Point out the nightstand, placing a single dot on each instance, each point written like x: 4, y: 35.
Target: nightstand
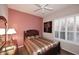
x: 11, y: 48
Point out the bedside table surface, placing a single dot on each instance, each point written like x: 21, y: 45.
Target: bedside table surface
x: 10, y: 50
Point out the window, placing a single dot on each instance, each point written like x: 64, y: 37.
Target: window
x: 56, y: 25
x: 77, y: 28
x: 62, y: 28
x: 77, y: 37
x: 70, y: 28
x: 77, y: 23
x: 56, y: 34
x: 70, y: 36
x: 70, y: 23
x: 67, y: 28
x: 56, y: 28
x: 62, y: 24
x: 62, y: 35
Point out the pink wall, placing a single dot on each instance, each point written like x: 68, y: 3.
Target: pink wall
x: 23, y: 21
x: 2, y: 25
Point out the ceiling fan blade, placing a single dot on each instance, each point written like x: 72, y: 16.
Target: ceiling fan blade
x: 37, y: 10
x: 45, y: 5
x: 48, y: 8
x: 38, y: 5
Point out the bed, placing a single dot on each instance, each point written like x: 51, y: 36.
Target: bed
x: 35, y: 45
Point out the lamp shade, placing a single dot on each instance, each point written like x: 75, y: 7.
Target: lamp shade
x: 11, y: 31
x: 2, y: 31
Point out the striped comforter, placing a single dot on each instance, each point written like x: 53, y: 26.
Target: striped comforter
x: 37, y: 46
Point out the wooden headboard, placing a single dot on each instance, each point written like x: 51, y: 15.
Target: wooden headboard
x: 30, y: 33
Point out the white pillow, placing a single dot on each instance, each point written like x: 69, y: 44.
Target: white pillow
x: 32, y: 37
x: 28, y: 37
x: 37, y: 36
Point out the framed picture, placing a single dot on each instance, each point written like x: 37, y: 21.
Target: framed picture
x: 48, y: 27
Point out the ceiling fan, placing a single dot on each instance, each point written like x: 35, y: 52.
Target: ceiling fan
x: 43, y: 8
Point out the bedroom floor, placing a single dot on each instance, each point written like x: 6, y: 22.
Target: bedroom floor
x: 22, y: 51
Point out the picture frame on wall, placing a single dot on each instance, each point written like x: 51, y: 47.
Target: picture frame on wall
x: 48, y: 27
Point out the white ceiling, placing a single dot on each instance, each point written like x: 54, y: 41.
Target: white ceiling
x: 30, y: 8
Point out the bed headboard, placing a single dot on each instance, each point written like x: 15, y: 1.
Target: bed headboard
x: 30, y: 33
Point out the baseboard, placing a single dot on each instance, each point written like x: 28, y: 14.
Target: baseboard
x: 69, y: 51
x: 20, y: 46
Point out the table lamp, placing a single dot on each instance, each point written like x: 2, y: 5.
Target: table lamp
x: 11, y: 31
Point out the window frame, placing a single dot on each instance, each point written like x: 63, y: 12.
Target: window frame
x: 66, y: 30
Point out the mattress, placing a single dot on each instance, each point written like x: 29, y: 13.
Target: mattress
x: 38, y: 45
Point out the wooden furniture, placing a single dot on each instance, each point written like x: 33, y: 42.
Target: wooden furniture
x: 11, y: 48
x: 2, y: 18
x: 30, y: 43
x: 54, y: 50
x: 1, y: 45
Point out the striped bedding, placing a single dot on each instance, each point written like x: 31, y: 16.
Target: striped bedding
x: 37, y: 46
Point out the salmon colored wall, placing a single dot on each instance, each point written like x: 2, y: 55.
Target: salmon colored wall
x: 23, y: 21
